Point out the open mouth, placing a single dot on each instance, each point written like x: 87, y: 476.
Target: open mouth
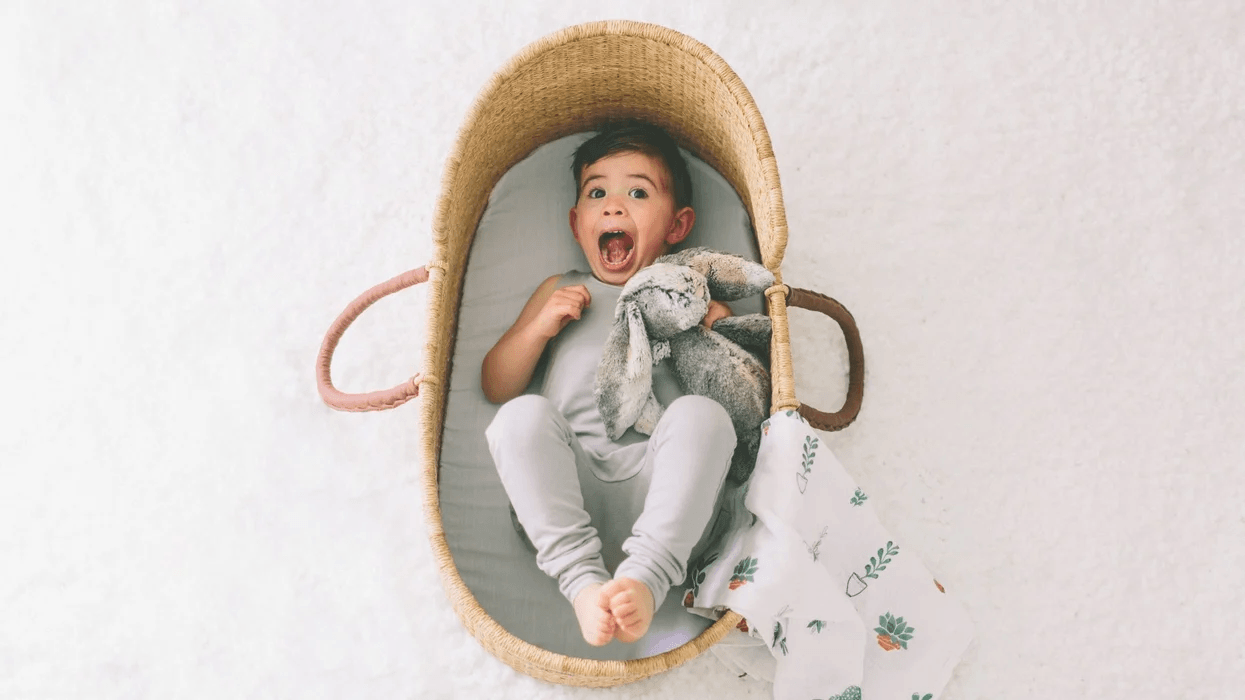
x: 617, y: 248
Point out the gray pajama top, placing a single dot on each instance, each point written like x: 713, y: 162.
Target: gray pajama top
x: 570, y: 370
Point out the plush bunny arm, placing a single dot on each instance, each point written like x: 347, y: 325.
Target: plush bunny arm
x: 750, y: 331
x: 625, y: 374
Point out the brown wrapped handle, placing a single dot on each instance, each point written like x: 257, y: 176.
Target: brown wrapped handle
x: 375, y: 400
x: 840, y: 419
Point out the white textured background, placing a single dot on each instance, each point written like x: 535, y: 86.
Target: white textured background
x: 1035, y: 215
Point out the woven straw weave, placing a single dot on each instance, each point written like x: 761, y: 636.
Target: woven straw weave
x: 566, y: 83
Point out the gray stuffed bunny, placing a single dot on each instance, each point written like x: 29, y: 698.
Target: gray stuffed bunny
x: 658, y: 316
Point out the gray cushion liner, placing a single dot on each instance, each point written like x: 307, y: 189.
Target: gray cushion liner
x: 524, y: 237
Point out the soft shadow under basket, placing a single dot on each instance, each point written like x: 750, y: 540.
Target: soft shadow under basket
x: 567, y: 83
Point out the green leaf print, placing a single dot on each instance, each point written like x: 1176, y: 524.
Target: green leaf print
x: 927, y: 696
x: 814, y: 548
x: 817, y: 625
x: 810, y: 451
x: 699, y: 568
x: 860, y: 498
x: 797, y: 416
x: 851, y: 692
x: 780, y: 639
x: 879, y: 562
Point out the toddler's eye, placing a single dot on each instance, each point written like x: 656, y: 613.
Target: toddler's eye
x: 638, y: 193
x: 596, y: 193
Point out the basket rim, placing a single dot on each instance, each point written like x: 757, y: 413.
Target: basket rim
x: 529, y: 54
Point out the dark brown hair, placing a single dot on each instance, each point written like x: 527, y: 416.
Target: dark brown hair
x: 633, y: 135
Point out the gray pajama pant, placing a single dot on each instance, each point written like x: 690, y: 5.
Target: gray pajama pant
x: 578, y: 523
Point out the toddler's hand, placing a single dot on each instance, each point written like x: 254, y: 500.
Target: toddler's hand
x: 565, y: 305
x: 717, y: 310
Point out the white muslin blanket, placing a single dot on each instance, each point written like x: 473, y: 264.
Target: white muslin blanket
x: 833, y: 606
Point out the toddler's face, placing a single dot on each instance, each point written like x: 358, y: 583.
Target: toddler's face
x: 624, y: 218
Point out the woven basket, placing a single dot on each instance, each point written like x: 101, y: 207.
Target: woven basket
x: 567, y: 83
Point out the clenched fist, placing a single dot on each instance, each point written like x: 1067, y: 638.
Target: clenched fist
x: 563, y: 306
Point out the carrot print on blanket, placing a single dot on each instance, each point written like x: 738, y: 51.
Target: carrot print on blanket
x: 744, y: 572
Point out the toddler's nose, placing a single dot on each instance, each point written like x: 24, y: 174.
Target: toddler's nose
x: 614, y: 205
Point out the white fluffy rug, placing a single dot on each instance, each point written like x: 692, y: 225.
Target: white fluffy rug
x: 1034, y: 215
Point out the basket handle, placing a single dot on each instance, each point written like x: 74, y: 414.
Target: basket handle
x: 375, y: 400
x: 840, y: 419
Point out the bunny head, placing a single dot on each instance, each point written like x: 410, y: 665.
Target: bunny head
x: 660, y: 302
x: 729, y: 276
x: 671, y: 298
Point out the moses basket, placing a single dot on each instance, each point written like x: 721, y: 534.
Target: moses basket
x: 568, y: 83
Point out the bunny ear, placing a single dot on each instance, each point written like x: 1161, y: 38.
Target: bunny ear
x: 730, y: 276
x: 625, y: 374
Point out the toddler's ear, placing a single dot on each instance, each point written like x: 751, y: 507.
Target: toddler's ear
x: 681, y: 227
x: 574, y: 216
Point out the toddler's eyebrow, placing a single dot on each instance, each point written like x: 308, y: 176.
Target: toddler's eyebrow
x: 641, y: 176
x: 644, y: 177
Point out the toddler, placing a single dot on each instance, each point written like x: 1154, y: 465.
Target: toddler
x: 577, y: 493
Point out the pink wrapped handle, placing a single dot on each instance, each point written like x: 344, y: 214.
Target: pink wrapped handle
x: 374, y: 400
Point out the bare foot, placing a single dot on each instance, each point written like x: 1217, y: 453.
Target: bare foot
x: 632, y: 605
x: 595, y: 621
